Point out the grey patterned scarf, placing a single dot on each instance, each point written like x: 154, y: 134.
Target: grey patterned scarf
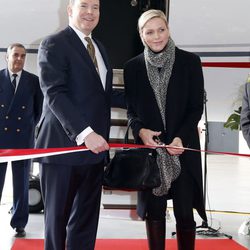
x: 159, y: 69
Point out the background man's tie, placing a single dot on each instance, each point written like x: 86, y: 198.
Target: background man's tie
x: 91, y: 50
x: 14, y: 82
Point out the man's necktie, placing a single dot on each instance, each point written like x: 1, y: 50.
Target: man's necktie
x: 91, y: 50
x: 14, y: 82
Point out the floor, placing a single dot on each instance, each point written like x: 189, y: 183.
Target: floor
x: 227, y: 203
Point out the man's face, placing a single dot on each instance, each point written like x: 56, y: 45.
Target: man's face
x: 16, y: 59
x: 84, y: 15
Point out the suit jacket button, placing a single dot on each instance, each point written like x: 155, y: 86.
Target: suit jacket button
x: 19, y: 118
x: 18, y: 130
x: 23, y: 107
x: 6, y: 117
x: 5, y: 129
x: 2, y: 105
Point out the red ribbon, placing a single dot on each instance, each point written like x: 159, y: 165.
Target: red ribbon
x: 40, y: 152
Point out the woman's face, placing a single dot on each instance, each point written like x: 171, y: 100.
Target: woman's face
x: 155, y: 34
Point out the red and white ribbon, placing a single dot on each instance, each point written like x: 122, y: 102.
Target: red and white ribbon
x: 7, y: 155
x: 24, y: 154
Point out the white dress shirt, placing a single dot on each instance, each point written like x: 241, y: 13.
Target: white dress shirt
x: 102, y: 73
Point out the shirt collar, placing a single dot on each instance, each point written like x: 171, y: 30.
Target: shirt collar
x: 18, y: 73
x: 80, y: 34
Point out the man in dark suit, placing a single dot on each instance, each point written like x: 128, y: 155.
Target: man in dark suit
x: 20, y: 109
x: 77, y: 87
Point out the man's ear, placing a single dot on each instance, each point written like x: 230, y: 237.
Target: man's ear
x: 69, y: 10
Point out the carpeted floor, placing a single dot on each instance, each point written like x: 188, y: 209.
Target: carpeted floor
x: 132, y: 244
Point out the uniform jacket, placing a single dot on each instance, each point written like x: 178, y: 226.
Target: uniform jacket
x: 245, y: 114
x: 74, y: 97
x: 19, y: 113
x: 184, y: 108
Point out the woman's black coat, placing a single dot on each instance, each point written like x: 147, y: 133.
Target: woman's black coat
x: 184, y: 108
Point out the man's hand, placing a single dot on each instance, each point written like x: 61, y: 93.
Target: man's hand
x: 96, y: 143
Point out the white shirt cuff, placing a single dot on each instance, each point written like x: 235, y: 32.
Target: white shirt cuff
x: 81, y: 137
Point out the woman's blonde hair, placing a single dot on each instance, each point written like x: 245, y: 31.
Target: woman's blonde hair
x: 149, y: 14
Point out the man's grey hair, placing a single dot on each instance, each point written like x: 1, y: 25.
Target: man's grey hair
x: 14, y: 45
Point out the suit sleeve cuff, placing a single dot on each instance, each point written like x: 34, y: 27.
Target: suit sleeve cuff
x: 81, y: 137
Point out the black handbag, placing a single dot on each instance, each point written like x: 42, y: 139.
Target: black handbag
x: 132, y: 169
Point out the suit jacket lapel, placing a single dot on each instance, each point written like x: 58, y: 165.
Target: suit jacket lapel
x: 77, y: 44
x: 80, y: 48
x: 7, y: 89
x: 21, y: 89
x: 7, y: 82
x: 19, y: 93
x: 106, y: 62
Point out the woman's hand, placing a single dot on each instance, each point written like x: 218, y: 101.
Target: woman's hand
x: 148, y: 135
x: 177, y: 142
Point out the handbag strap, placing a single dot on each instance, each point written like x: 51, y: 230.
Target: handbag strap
x: 128, y: 127
x: 127, y: 132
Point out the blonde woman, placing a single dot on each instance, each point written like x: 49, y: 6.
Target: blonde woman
x: 164, y: 90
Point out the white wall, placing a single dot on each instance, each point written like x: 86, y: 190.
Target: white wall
x: 204, y: 22
x: 28, y: 22
x: 215, y: 26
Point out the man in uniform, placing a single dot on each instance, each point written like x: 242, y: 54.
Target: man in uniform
x: 20, y: 109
